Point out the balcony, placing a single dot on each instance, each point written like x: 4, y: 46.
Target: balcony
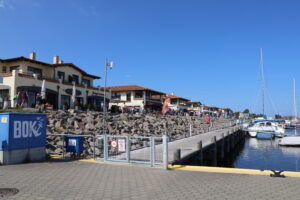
x: 54, y: 80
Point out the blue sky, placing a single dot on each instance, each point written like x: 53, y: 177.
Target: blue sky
x: 205, y: 50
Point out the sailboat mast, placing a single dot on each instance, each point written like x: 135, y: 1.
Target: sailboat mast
x: 262, y: 81
x: 295, y: 105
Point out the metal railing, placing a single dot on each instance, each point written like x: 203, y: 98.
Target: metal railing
x: 114, y: 148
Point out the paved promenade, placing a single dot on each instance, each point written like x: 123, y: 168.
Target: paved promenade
x: 83, y: 180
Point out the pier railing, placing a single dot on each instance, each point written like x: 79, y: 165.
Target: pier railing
x: 113, y: 148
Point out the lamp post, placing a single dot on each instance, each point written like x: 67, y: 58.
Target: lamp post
x: 107, y: 64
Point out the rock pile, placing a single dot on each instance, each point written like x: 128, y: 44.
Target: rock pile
x: 91, y: 123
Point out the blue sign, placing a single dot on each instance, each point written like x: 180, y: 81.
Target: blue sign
x: 74, y: 144
x: 22, y: 130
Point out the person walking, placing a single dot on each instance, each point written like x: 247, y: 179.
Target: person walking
x: 38, y: 101
x: 25, y: 99
x: 20, y: 99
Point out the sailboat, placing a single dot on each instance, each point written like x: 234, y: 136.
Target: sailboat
x: 293, y: 140
x: 264, y: 129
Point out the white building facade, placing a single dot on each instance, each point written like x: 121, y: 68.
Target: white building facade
x: 27, y: 74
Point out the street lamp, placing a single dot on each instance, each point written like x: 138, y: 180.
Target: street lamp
x: 110, y: 65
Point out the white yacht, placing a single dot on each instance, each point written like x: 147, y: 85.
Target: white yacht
x: 266, y: 126
x: 292, y: 140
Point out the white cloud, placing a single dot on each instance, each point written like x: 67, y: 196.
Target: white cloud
x: 2, y: 4
x: 6, y: 4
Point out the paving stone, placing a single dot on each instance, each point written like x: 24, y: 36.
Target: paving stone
x: 80, y: 180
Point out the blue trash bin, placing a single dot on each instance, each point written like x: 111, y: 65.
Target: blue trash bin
x: 74, y: 144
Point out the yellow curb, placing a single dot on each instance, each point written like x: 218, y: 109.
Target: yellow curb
x: 199, y: 168
x: 56, y: 156
x: 230, y: 170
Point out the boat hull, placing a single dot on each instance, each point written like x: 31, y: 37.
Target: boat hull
x: 290, y: 141
x: 265, y: 135
x: 252, y: 133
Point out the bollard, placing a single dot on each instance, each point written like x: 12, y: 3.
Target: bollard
x: 177, y: 155
x: 222, y: 146
x: 214, y: 143
x: 190, y: 130
x: 199, y: 147
x: 232, y: 141
x: 227, y: 142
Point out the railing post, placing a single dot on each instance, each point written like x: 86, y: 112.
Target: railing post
x: 63, y: 146
x: 165, y: 151
x: 153, y: 156
x: 105, y: 147
x: 94, y: 153
x: 128, y: 149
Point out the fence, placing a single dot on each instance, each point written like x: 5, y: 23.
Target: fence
x: 113, y: 148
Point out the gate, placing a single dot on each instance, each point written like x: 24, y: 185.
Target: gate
x: 152, y: 151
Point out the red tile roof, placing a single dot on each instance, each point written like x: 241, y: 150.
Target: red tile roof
x: 47, y: 64
x: 171, y: 96
x: 124, y: 88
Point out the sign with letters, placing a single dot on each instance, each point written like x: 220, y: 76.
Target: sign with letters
x: 121, y: 145
x: 22, y: 130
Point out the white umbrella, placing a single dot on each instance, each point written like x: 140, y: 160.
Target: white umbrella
x: 73, y: 98
x: 43, y: 90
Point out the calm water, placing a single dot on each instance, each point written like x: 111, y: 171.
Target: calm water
x: 267, y: 154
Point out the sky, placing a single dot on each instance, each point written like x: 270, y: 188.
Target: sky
x: 203, y: 50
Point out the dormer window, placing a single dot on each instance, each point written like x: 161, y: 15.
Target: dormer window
x: 86, y: 82
x: 14, y: 68
x: 33, y: 70
x: 74, y: 78
x: 61, y: 75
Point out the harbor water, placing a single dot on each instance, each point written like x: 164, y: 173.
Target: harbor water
x: 268, y: 155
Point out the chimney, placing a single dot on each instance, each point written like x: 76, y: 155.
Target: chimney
x: 172, y: 93
x: 56, y: 60
x: 32, y: 56
x: 61, y: 61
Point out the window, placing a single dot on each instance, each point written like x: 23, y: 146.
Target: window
x: 75, y: 78
x: 14, y: 68
x: 33, y: 70
x: 128, y: 96
x: 79, y: 100
x: 86, y: 82
x: 61, y: 75
x: 116, y: 96
x: 3, y: 69
x: 65, y: 100
x: 138, y: 94
x: 148, y: 95
x: 173, y: 101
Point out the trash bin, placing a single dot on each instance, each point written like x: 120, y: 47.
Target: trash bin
x: 74, y: 144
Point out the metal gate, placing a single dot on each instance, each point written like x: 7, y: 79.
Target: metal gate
x: 152, y: 151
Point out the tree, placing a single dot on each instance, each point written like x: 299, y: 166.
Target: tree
x: 277, y: 116
x: 246, y: 111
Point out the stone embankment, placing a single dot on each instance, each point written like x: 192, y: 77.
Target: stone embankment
x: 90, y: 123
